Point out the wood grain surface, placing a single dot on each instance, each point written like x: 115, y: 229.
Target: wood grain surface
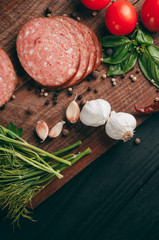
x: 13, y: 14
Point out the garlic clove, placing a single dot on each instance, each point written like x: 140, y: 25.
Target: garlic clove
x: 56, y: 130
x: 95, y: 112
x: 42, y: 130
x: 120, y: 126
x: 73, y: 112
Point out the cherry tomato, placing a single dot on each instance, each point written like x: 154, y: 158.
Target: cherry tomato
x: 121, y: 18
x: 96, y: 4
x: 150, y: 15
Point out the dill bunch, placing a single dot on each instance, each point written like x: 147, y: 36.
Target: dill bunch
x: 26, y: 170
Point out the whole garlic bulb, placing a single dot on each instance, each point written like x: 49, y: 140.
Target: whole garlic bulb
x: 95, y: 112
x: 120, y: 126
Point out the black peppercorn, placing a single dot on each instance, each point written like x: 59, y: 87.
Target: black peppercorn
x: 79, y: 97
x: 47, y: 102
x: 89, y: 89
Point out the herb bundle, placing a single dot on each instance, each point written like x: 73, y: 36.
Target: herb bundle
x: 25, y: 170
x: 126, y: 51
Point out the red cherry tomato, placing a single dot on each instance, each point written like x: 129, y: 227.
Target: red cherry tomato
x: 121, y: 18
x: 96, y: 4
x: 150, y: 15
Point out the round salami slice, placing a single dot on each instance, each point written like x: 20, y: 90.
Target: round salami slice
x: 8, y: 79
x: 48, y: 51
x: 84, y: 51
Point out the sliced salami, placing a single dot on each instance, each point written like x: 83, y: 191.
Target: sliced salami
x: 84, y: 50
x: 8, y: 79
x: 48, y: 51
x: 99, y: 50
x: 90, y: 44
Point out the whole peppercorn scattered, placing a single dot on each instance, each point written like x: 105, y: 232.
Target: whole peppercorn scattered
x: 95, y: 91
x: 134, y: 79
x: 13, y: 97
x: 113, y: 80
x: 157, y: 90
x: 55, y: 102
x: 89, y: 89
x: 156, y: 99
x: 152, y: 81
x: 42, y: 90
x: 45, y: 94
x: 70, y: 92
x: 30, y: 111
x: 48, y: 15
x: 83, y: 102
x: 137, y: 141
x: 47, y: 102
x: 54, y: 98
x: 104, y: 76
x: 74, y: 15
x: 138, y: 71
x: 109, y: 51
x: 95, y: 74
x: 41, y: 94
x: 69, y: 89
x: 2, y: 107
x: 114, y: 83
x: 123, y: 76
x: 65, y: 132
x: 56, y: 94
x: 79, y: 97
x: 89, y: 78
x: 94, y: 13
x: 48, y: 10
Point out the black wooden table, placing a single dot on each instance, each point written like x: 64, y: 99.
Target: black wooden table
x: 115, y: 198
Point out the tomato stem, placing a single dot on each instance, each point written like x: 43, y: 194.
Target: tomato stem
x: 136, y: 2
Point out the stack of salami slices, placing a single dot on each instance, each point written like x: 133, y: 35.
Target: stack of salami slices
x: 59, y: 51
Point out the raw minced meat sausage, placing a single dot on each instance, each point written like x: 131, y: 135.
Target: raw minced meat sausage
x: 8, y: 79
x: 84, y: 51
x: 48, y: 51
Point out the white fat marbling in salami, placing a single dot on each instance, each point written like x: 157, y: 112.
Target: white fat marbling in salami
x: 48, y: 51
x: 8, y: 79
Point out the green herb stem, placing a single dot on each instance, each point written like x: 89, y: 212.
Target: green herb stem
x: 68, y: 148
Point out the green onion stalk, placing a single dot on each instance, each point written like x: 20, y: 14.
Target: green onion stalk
x: 25, y: 170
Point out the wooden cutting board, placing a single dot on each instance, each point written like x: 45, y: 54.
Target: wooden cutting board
x: 13, y: 14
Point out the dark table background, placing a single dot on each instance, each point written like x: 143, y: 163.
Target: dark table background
x: 114, y: 198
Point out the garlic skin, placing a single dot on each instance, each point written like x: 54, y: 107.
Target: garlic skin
x: 56, y: 130
x: 73, y: 112
x: 95, y: 113
x: 42, y: 130
x: 120, y: 126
